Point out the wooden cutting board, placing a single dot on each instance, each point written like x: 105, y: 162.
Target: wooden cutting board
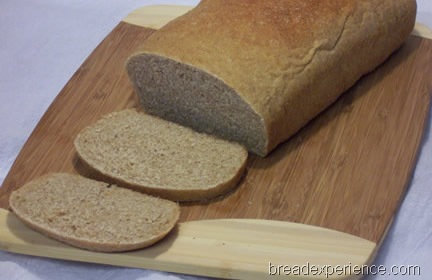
x: 324, y: 198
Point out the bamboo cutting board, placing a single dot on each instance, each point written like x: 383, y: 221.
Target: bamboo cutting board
x: 324, y: 198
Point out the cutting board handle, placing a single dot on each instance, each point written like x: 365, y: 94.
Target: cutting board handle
x: 239, y: 248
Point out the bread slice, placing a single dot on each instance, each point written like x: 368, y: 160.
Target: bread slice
x: 93, y: 215
x: 255, y: 72
x: 162, y: 158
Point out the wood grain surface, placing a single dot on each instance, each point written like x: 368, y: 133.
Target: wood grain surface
x: 347, y: 170
x: 224, y: 248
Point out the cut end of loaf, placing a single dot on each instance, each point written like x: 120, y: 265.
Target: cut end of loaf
x: 194, y: 98
x: 93, y: 215
x: 162, y: 158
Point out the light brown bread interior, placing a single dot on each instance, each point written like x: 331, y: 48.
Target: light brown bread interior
x: 191, y: 97
x: 146, y: 153
x: 93, y: 215
x: 257, y: 71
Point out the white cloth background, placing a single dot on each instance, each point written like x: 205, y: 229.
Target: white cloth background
x: 42, y: 43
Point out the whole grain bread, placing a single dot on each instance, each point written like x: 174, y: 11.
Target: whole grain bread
x: 146, y: 153
x: 93, y: 215
x: 257, y: 71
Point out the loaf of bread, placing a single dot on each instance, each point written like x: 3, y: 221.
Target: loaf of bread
x: 162, y: 158
x: 257, y: 71
x: 93, y: 215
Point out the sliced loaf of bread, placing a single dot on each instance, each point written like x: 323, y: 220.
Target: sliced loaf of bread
x: 256, y: 72
x: 93, y: 215
x: 146, y: 153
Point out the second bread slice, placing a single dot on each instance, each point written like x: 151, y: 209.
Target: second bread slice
x: 93, y: 215
x: 146, y: 153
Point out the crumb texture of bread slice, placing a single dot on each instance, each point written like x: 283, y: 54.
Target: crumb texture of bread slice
x: 146, y: 153
x: 93, y: 215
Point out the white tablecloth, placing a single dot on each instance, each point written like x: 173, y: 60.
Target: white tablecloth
x: 42, y: 43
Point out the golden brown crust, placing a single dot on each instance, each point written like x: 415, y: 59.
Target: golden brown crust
x: 287, y: 59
